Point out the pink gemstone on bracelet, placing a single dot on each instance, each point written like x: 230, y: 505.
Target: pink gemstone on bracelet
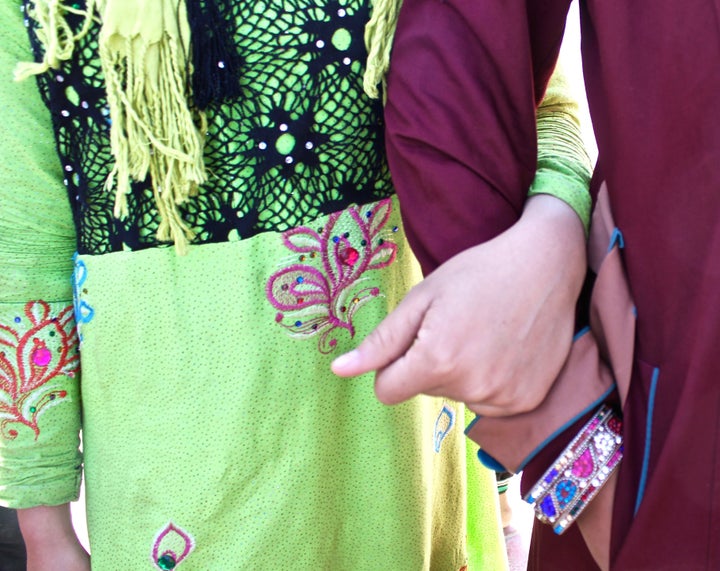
x: 584, y: 465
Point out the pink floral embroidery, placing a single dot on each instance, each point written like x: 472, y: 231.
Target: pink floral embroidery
x: 172, y: 545
x: 34, y: 356
x: 318, y: 300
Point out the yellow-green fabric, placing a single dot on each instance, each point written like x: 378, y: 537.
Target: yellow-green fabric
x: 563, y: 168
x: 37, y: 239
x: 244, y: 440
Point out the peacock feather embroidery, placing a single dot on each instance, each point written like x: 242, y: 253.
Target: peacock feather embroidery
x: 322, y: 288
x: 36, y: 354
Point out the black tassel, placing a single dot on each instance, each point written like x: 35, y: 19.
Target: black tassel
x: 217, y: 63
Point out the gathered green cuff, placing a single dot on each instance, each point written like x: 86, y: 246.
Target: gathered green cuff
x: 48, y: 480
x: 563, y: 169
x: 40, y: 459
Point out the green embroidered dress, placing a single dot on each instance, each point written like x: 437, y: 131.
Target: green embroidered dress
x: 214, y: 435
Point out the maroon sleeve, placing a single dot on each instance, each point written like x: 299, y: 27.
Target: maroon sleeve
x: 460, y: 117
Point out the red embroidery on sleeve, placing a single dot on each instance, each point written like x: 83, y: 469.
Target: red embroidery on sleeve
x: 36, y: 353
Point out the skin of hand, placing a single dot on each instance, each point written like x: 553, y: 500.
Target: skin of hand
x: 492, y: 326
x: 50, y: 540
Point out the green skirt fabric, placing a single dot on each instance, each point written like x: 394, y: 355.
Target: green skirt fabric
x: 215, y: 436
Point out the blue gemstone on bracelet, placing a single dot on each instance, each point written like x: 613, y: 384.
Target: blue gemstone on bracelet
x: 551, y: 476
x: 548, y: 508
x: 564, y: 492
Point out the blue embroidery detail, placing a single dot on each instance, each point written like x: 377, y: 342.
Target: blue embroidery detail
x: 84, y: 313
x: 443, y: 425
x: 648, y: 438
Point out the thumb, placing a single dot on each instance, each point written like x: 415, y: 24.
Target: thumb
x: 388, y: 341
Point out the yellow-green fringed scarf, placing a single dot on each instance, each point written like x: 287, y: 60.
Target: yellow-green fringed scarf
x: 155, y: 131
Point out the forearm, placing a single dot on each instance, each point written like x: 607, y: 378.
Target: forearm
x: 45, y: 526
x: 50, y: 539
x: 558, y: 236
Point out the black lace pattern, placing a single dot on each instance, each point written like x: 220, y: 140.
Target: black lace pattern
x: 303, y: 140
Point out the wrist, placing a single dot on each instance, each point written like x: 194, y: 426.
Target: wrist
x: 558, y: 238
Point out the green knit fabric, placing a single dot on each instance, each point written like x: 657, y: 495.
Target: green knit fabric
x: 37, y: 239
x: 563, y: 168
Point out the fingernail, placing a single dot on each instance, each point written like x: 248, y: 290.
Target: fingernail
x: 346, y: 360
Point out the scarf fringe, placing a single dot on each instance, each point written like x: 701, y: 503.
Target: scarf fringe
x: 379, y: 34
x: 55, y: 34
x: 216, y: 62
x: 154, y: 132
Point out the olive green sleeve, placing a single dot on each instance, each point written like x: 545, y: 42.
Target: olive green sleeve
x: 40, y: 461
x: 564, y: 168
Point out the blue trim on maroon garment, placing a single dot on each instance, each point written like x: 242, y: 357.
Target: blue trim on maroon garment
x: 567, y: 425
x: 580, y: 333
x: 648, y: 439
x: 616, y: 238
x: 490, y: 462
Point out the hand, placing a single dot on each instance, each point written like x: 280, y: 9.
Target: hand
x: 50, y: 540
x: 492, y: 326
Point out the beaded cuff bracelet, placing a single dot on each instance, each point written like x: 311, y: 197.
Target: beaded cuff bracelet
x: 580, y: 471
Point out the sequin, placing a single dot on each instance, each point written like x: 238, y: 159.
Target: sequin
x: 165, y: 562
x: 349, y: 256
x: 41, y: 357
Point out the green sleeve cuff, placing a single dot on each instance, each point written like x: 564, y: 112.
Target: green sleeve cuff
x: 563, y: 168
x: 49, y: 480
x: 561, y: 181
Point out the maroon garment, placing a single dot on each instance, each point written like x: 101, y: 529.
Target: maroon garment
x: 461, y: 142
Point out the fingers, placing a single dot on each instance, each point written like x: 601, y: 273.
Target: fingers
x: 388, y: 341
x: 427, y: 367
